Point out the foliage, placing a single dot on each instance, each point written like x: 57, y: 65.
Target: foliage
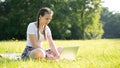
x: 93, y: 28
x: 111, y: 23
x: 73, y: 19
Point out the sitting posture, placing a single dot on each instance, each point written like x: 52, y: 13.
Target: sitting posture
x: 37, y: 32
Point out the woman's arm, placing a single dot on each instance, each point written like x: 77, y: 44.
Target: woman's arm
x: 53, y: 47
x: 31, y: 34
x: 51, y: 43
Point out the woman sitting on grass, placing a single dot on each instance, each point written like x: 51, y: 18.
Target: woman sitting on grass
x: 37, y: 32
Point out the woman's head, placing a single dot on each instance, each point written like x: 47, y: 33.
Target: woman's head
x: 45, y: 10
x: 44, y: 16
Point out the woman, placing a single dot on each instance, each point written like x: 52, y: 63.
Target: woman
x: 37, y: 32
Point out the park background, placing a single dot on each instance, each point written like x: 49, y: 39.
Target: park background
x: 84, y: 23
x: 72, y: 19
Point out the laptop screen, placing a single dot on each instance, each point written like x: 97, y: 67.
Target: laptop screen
x: 69, y: 53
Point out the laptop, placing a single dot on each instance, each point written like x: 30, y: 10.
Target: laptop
x: 69, y: 53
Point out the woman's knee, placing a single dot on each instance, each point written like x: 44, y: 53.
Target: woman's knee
x: 37, y: 53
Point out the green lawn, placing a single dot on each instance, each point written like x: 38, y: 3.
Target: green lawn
x: 104, y: 53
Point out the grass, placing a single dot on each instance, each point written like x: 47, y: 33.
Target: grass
x: 103, y: 53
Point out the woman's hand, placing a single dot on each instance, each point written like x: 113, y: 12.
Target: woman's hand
x: 50, y: 56
x: 57, y: 56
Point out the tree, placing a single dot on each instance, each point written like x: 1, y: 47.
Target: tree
x: 111, y: 23
x: 86, y: 17
x: 73, y: 19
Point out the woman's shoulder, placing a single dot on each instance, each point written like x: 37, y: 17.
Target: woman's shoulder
x: 47, y: 28
x: 31, y: 29
x: 48, y: 31
x: 32, y: 24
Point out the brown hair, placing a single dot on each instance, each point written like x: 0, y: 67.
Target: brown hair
x: 42, y: 12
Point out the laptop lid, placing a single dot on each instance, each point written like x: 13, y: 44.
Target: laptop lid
x: 69, y: 53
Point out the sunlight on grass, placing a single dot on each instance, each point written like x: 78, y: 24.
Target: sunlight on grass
x: 103, y: 53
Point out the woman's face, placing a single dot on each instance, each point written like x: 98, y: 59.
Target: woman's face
x: 44, y: 20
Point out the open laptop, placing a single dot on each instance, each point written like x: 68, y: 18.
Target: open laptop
x: 69, y: 53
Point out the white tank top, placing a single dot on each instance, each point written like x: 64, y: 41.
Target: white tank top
x: 32, y: 29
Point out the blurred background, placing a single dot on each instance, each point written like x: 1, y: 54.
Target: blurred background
x: 72, y: 19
